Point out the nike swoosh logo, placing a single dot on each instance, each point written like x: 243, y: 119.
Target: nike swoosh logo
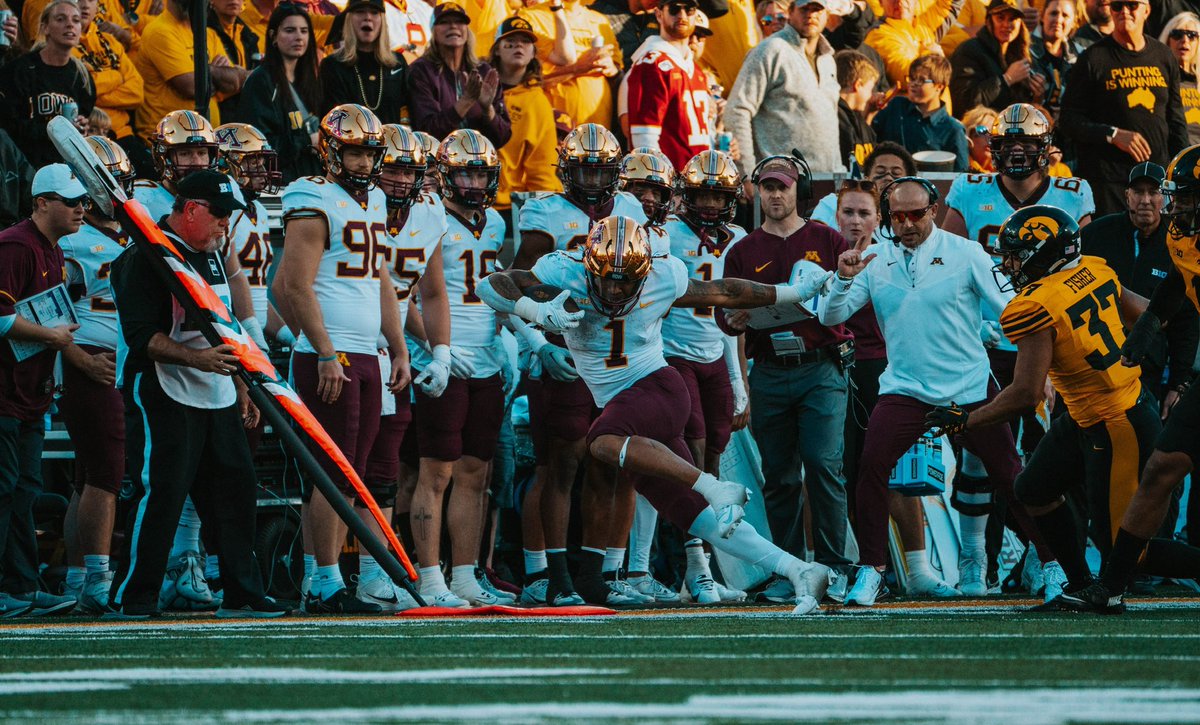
x: 45, y: 273
x: 644, y: 305
x: 759, y: 269
x: 397, y: 70
x: 890, y: 263
x: 414, y: 233
x: 386, y: 600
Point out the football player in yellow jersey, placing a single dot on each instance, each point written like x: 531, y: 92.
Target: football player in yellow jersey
x: 1067, y: 322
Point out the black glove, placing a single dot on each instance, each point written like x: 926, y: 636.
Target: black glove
x: 949, y: 421
x: 1141, y: 338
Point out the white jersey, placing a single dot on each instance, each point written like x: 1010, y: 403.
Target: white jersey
x: 249, y: 239
x: 155, y: 197
x: 568, y: 225
x: 347, y: 284
x: 611, y: 355
x: 693, y: 333
x: 985, y: 205
x: 409, y: 247
x: 90, y: 253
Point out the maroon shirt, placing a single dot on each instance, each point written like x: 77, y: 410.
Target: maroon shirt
x: 868, y: 338
x: 764, y: 257
x: 29, y: 264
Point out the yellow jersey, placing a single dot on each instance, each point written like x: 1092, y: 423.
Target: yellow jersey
x: 733, y: 35
x: 586, y: 99
x: 166, y: 53
x: 1185, y: 252
x: 1082, y: 305
x: 527, y: 161
x: 118, y: 84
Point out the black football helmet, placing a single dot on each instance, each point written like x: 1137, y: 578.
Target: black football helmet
x: 1033, y: 242
x: 1016, y: 130
x: 1181, y: 190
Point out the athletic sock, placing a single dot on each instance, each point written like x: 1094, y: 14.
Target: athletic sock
x: 187, y: 531
x: 613, y: 559
x: 535, y: 563
x: 1169, y: 558
x: 327, y: 581
x: 641, y: 535
x: 368, y: 568
x: 310, y: 565
x: 212, y: 567
x: 1060, y: 534
x: 917, y: 564
x: 95, y: 564
x: 974, y: 538
x: 745, y: 543
x: 559, y: 573
x: 464, y: 584
x: 697, y: 562
x: 76, y: 575
x: 589, y: 583
x: 432, y: 581
x: 706, y: 485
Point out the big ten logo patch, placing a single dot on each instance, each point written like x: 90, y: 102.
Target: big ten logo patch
x: 1138, y: 82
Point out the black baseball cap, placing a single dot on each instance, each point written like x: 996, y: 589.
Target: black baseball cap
x: 693, y: 3
x: 450, y: 8
x: 516, y: 25
x: 356, y: 4
x: 1147, y: 170
x: 211, y: 187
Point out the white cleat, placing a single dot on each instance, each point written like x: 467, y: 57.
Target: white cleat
x: 1054, y: 579
x: 931, y: 587
x: 730, y: 595
x: 653, y: 588
x: 624, y: 588
x: 503, y: 597
x: 728, y: 501
x: 184, y: 586
x: 702, y: 589
x: 1033, y: 577
x: 868, y: 586
x: 384, y: 593
x: 971, y: 574
x: 534, y: 592
x: 93, y: 597
x: 806, y: 605
x: 445, y: 598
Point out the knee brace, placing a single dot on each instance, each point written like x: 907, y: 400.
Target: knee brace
x: 972, y: 495
x: 384, y: 493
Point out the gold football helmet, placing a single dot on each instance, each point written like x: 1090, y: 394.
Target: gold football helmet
x: 1181, y: 190
x: 115, y: 160
x: 176, y: 132
x: 402, y: 153
x: 350, y: 125
x: 247, y: 156
x: 430, y: 145
x: 1020, y: 141
x: 589, y: 162
x: 707, y: 173
x: 646, y: 168
x: 1035, y: 241
x: 617, y: 259
x: 460, y: 159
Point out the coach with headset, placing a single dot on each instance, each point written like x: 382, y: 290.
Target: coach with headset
x: 799, y: 382
x: 928, y: 287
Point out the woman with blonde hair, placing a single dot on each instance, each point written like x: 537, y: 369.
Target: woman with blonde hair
x: 1054, y: 52
x: 364, y: 70
x: 46, y: 82
x: 1182, y: 35
x: 978, y: 122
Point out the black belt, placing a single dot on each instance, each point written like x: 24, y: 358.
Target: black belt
x: 829, y: 352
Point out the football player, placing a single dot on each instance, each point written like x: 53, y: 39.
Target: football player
x: 616, y: 341
x: 429, y: 145
x: 561, y: 409
x: 458, y: 425
x: 1178, y: 446
x: 978, y: 206
x: 413, y: 254
x: 329, y: 288
x: 649, y: 176
x: 183, y: 142
x: 92, y: 408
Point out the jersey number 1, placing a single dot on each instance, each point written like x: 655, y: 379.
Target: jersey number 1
x: 616, y: 351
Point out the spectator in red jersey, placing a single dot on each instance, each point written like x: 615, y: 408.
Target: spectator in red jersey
x: 668, y: 90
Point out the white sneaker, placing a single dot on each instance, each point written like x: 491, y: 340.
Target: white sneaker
x: 184, y: 586
x: 810, y: 580
x: 445, y: 598
x: 624, y: 588
x: 930, y: 586
x: 1055, y: 580
x: 728, y: 501
x: 475, y: 595
x: 971, y: 577
x: 93, y: 597
x: 382, y: 591
x: 10, y: 606
x: 702, y: 589
x: 535, y: 592
x: 729, y: 595
x: 1032, y: 577
x: 837, y: 587
x: 868, y: 586
x: 486, y: 585
x: 656, y: 590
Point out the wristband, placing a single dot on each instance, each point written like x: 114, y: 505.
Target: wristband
x: 844, y: 279
x: 285, y: 337
x: 555, y: 8
x: 785, y: 293
x: 441, y: 353
x: 331, y: 358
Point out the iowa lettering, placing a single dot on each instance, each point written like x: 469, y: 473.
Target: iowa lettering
x: 1140, y: 76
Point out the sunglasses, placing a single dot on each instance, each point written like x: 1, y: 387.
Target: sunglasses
x: 769, y: 19
x: 215, y: 211
x: 83, y: 201
x: 859, y: 185
x: 681, y: 9
x: 1180, y: 34
x: 1121, y: 6
x: 911, y: 217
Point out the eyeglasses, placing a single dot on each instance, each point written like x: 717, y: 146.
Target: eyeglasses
x: 217, y: 212
x: 1180, y: 34
x: 681, y: 9
x: 83, y: 201
x: 911, y: 217
x: 1121, y: 6
x: 769, y: 19
x: 921, y: 81
x: 859, y: 185
x: 981, y: 131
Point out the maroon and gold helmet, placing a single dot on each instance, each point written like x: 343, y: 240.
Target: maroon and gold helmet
x: 710, y: 171
x: 589, y: 163
x: 247, y: 157
x: 647, y: 167
x: 350, y: 125
x: 617, y: 258
x: 402, y: 151
x: 176, y: 131
x: 115, y: 160
x: 463, y: 152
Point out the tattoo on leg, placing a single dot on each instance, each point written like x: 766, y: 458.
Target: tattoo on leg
x: 423, y: 518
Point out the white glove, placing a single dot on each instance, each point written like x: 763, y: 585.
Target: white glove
x: 808, y: 279
x: 436, y: 375
x: 462, y: 363
x: 740, y: 398
x: 733, y: 366
x: 556, y: 363
x: 255, y: 332
x: 552, y: 315
x: 989, y: 333
x: 285, y: 337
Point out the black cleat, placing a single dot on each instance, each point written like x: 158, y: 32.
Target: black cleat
x: 265, y: 608
x: 343, y: 602
x: 1093, y: 597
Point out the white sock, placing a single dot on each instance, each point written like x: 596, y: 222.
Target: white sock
x: 706, y: 484
x: 187, y: 532
x: 310, y: 565
x: 212, y: 567
x: 917, y: 563
x: 745, y: 543
x: 535, y: 561
x: 75, y: 578
x: 641, y: 535
x: 94, y: 564
x: 972, y: 530
x: 613, y: 559
x: 432, y: 581
x: 463, y: 582
x: 368, y: 568
x: 327, y: 581
x: 697, y: 562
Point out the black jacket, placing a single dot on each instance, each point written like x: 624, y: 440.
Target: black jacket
x: 978, y: 77
x: 270, y: 110
x: 383, y: 90
x: 854, y: 133
x: 31, y: 93
x: 16, y: 181
x: 1141, y: 264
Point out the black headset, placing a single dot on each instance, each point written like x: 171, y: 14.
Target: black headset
x: 803, y: 172
x: 885, y: 207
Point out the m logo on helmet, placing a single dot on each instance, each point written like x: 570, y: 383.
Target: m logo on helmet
x: 1038, y: 229
x: 335, y: 120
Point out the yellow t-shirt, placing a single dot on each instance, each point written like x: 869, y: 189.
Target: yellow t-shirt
x: 486, y: 16
x: 527, y: 161
x: 734, y: 34
x: 119, y: 87
x: 586, y: 99
x: 166, y: 53
x: 258, y: 23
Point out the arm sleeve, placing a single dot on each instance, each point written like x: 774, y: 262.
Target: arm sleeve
x: 141, y: 301
x: 1183, y: 335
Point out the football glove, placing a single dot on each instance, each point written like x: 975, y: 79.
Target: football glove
x: 556, y: 362
x: 1141, y: 338
x: 946, y: 420
x: 552, y: 316
x: 462, y: 363
x: 808, y: 280
x: 436, y: 375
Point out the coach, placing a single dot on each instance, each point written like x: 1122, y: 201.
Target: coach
x: 928, y: 287
x: 184, y: 415
x: 799, y: 382
x: 30, y: 262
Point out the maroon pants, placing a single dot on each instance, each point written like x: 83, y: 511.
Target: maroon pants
x: 383, y: 464
x: 656, y: 407
x: 95, y: 418
x: 711, y: 393
x: 464, y: 421
x: 352, y: 420
x: 559, y: 410
x: 896, y: 424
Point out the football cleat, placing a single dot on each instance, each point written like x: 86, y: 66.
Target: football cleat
x: 730, y: 595
x: 868, y: 587
x: 1054, y: 581
x: 265, y: 608
x: 930, y: 586
x: 10, y: 606
x: 341, y: 602
x: 970, y: 577
x: 446, y: 598
x: 728, y: 501
x: 622, y: 587
x: 806, y: 605
x: 534, y: 592
x: 779, y: 590
x: 1032, y: 576
x: 702, y: 589
x: 653, y: 588
x: 810, y: 580
x: 566, y: 599
x: 383, y: 592
x: 486, y: 585
x: 837, y: 587
x: 184, y: 586
x: 44, y: 604
x: 93, y: 597
x: 1092, y: 597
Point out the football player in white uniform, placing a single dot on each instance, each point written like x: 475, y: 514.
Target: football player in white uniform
x: 978, y: 206
x: 91, y: 405
x: 329, y: 288
x: 614, y: 335
x: 413, y: 255
x: 183, y: 142
x: 458, y: 425
x: 561, y: 409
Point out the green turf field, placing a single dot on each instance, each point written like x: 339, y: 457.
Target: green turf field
x: 906, y: 663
